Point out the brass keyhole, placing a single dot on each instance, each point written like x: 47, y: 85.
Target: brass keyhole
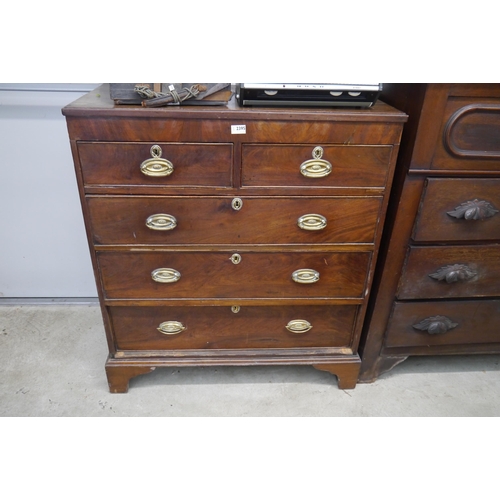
x: 235, y: 309
x: 156, y: 151
x: 317, y: 152
x: 236, y: 258
x: 237, y: 203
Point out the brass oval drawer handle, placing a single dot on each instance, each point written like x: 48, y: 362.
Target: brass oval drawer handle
x: 435, y: 324
x: 317, y: 167
x: 165, y: 275
x: 171, y: 327
x: 161, y: 222
x: 453, y: 273
x: 312, y: 222
x: 157, y: 166
x: 305, y: 276
x: 473, y: 210
x: 298, y: 326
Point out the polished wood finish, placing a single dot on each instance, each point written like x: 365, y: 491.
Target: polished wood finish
x: 435, y: 222
x: 352, y: 166
x: 436, y: 286
x: 450, y: 272
x: 246, y: 282
x: 226, y: 327
x: 214, y: 275
x: 472, y: 322
x: 118, y: 163
x: 119, y: 220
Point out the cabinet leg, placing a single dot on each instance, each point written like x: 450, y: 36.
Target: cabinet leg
x: 119, y: 376
x: 347, y: 374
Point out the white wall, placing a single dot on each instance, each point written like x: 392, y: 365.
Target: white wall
x: 43, y: 247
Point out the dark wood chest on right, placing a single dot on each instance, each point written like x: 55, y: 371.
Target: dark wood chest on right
x: 437, y: 284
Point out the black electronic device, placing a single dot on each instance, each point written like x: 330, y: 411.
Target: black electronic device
x: 308, y: 94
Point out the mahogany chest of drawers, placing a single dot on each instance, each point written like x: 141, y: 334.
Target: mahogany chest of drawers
x: 437, y: 286
x: 230, y: 236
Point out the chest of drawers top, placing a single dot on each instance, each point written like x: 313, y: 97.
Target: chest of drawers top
x: 95, y: 117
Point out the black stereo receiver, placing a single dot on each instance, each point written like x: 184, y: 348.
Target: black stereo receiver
x: 308, y: 94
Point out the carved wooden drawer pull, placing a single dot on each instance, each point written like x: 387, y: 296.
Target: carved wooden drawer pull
x: 473, y: 210
x: 435, y: 324
x: 171, y: 327
x: 165, y: 275
x: 298, y: 326
x: 305, y: 276
x: 161, y: 222
x: 312, y: 222
x: 317, y: 167
x: 454, y: 273
x: 157, y: 166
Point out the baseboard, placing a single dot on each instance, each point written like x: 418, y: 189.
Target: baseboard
x: 48, y: 301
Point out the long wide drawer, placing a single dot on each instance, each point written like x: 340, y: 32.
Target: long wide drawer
x: 429, y: 324
x: 449, y: 272
x: 459, y: 210
x: 225, y: 220
x: 191, y: 164
x: 224, y: 327
x: 162, y: 275
x: 304, y: 165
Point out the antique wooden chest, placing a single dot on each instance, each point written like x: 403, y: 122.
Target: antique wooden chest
x: 230, y: 236
x: 437, y: 288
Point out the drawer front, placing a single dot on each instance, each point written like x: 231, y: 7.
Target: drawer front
x: 191, y: 164
x: 470, y: 134
x: 233, y: 274
x: 453, y: 323
x: 459, y: 210
x: 280, y: 165
x: 210, y: 220
x: 220, y: 327
x: 448, y: 272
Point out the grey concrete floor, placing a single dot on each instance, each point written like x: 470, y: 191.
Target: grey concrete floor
x: 52, y: 365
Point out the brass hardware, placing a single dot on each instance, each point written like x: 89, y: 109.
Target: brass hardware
x: 236, y: 258
x: 161, y: 222
x: 165, y: 275
x: 171, y: 327
x: 157, y: 166
x: 473, y: 210
x: 237, y: 203
x: 317, y: 167
x: 305, y: 276
x: 435, y: 324
x: 312, y: 222
x: 454, y: 273
x: 298, y: 326
x: 235, y: 309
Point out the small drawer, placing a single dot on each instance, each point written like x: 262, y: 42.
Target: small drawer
x: 226, y: 327
x: 470, y: 134
x: 142, y: 220
x: 431, y: 324
x: 449, y: 272
x: 164, y: 164
x: 310, y: 166
x: 459, y: 210
x: 176, y: 274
